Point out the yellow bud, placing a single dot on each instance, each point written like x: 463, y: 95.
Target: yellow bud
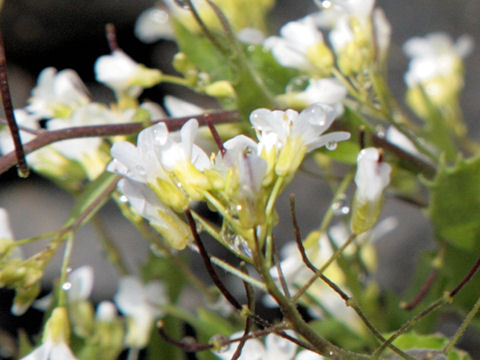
x: 82, y: 317
x: 57, y: 328
x: 220, y: 89
x: 365, y: 215
x: 321, y: 57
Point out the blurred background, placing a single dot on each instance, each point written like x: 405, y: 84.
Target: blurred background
x: 70, y: 34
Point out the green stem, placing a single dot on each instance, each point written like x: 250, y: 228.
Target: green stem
x: 236, y: 272
x: 113, y: 254
x: 34, y: 238
x: 67, y: 254
x: 323, y: 268
x: 338, y: 194
x: 434, y: 306
x: 463, y: 327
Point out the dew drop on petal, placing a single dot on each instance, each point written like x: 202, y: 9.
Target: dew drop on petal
x: 123, y: 199
x: 297, y: 84
x: 331, y: 145
x: 66, y: 286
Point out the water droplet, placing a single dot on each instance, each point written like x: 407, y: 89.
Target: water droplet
x: 324, y: 4
x: 298, y: 84
x: 66, y: 286
x: 340, y: 207
x: 331, y: 145
x: 331, y: 353
x: 239, y: 207
x: 241, y: 245
x: 68, y: 270
x: 123, y: 199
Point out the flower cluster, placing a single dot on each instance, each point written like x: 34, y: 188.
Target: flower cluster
x: 166, y: 171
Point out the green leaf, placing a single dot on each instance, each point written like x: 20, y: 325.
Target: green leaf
x: 92, y: 198
x: 274, y: 76
x: 203, y: 53
x: 414, y: 341
x: 455, y: 203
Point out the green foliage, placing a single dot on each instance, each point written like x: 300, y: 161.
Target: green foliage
x: 414, y: 341
x: 455, y: 203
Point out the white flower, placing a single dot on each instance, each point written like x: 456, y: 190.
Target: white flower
x: 106, y: 311
x: 250, y: 35
x: 160, y: 216
x: 51, y: 351
x: 56, y: 333
x: 329, y: 91
x: 275, y: 348
x: 154, y: 24
x: 372, y: 176
x: 142, y: 305
x: 331, y: 10
x: 297, y: 39
x: 57, y: 94
x: 241, y: 155
x: 23, y: 119
x: 123, y: 75
x: 399, y: 139
x: 276, y: 128
x: 285, y: 136
x: 164, y: 160
x: 435, y: 55
x: 177, y: 107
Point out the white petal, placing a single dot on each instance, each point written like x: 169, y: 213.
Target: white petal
x: 154, y: 24
x: 81, y: 281
x: 179, y: 108
x: 106, y: 311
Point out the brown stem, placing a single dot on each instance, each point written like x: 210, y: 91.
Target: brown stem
x: 216, y: 136
x: 466, y: 279
x: 23, y: 170
x: 208, y: 264
x: 47, y: 137
x: 111, y: 37
x: 188, y: 346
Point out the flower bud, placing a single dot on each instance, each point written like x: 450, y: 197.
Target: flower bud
x: 372, y: 177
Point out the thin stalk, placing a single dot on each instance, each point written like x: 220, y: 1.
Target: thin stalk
x: 67, y: 254
x: 461, y: 330
x: 290, y: 312
x: 234, y: 271
x: 108, y: 245
x: 23, y: 170
x: 348, y: 300
x: 323, y: 268
x: 143, y: 228
x: 208, y: 264
x: 434, y: 306
x: 338, y: 194
x: 48, y: 137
